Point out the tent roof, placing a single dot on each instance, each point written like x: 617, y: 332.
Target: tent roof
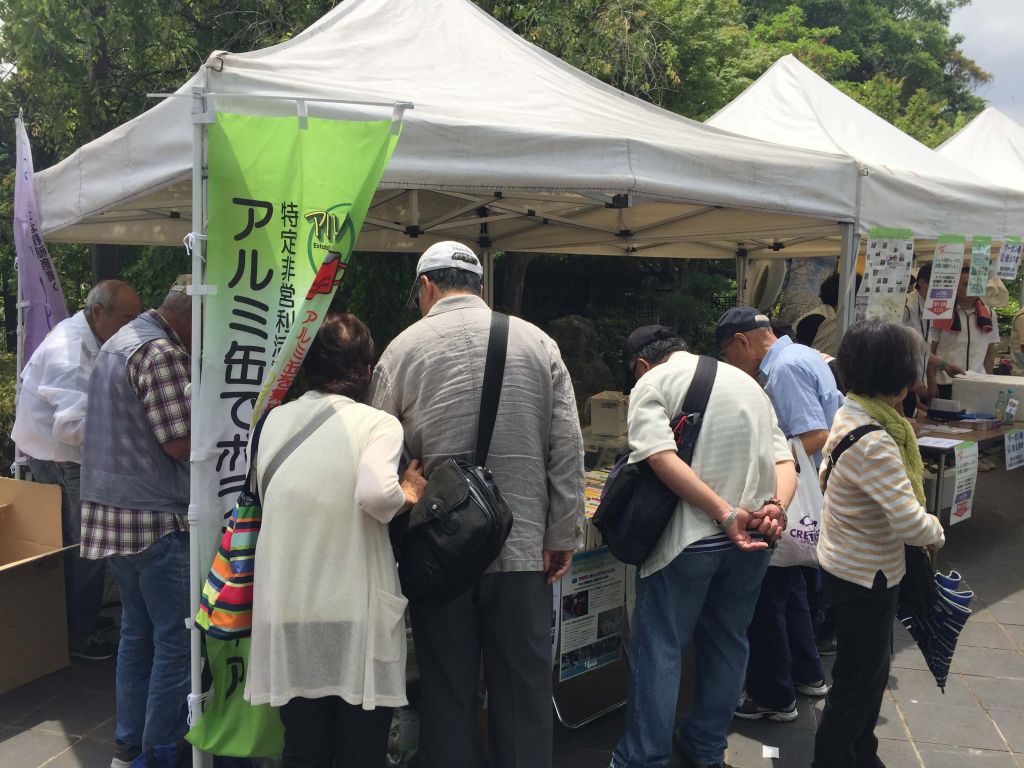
x: 505, y: 142
x: 991, y: 146
x: 907, y: 184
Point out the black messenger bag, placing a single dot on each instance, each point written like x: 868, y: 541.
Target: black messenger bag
x: 635, y: 505
x: 450, y: 537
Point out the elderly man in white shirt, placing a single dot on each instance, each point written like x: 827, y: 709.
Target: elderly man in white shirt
x: 702, y: 581
x: 49, y: 427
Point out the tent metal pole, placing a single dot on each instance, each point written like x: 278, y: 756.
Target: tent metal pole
x: 488, y: 265
x: 848, y: 261
x: 847, y: 281
x: 197, y: 507
x: 742, y: 261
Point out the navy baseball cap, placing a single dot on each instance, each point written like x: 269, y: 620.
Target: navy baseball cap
x: 739, y: 320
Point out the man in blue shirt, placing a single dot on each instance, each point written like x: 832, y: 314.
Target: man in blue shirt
x: 784, y: 660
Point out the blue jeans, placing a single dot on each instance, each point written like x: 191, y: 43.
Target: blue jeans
x: 782, y: 649
x: 153, y: 676
x: 709, y: 597
x: 83, y: 579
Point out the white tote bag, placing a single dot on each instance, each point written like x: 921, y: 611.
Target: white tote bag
x: 798, y: 544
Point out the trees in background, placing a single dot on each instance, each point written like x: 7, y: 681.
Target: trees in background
x: 80, y: 68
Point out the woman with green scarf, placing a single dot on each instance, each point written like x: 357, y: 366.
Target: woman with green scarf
x: 874, y: 504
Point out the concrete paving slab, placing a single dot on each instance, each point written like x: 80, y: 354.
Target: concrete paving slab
x: 985, y: 635
x: 936, y: 756
x: 891, y: 724
x: 86, y: 753
x: 30, y: 749
x: 898, y: 754
x: 990, y: 662
x: 997, y: 693
x: 953, y: 726
x: 74, y: 713
x: 1011, y: 725
x: 918, y: 686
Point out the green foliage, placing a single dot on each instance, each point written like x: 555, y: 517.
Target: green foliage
x: 375, y: 290
x: 7, y: 382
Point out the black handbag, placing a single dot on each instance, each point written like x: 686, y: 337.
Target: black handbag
x: 461, y: 521
x: 635, y: 505
x: 918, y: 591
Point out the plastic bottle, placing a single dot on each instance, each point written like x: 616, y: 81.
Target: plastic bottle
x: 1008, y: 416
x: 1001, y: 400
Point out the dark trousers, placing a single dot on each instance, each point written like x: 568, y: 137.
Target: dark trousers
x: 83, y: 579
x: 821, y: 616
x: 864, y: 617
x: 507, y: 616
x: 782, y: 649
x: 331, y: 733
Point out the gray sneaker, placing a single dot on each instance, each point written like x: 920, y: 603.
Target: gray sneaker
x: 748, y: 709
x: 92, y: 648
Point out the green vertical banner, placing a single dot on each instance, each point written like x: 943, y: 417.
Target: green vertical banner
x: 286, y: 203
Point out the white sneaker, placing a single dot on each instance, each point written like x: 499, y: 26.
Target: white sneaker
x: 817, y: 689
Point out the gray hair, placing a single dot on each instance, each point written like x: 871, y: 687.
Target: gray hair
x: 177, y: 302
x: 104, y: 294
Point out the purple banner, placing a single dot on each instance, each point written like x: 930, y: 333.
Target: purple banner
x: 37, y: 278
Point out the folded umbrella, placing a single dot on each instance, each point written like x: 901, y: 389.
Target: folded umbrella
x: 936, y: 629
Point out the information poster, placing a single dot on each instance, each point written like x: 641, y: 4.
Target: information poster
x: 1013, y: 445
x: 946, y: 266
x: 593, y: 595
x: 981, y: 254
x: 883, y: 293
x: 1009, y: 258
x: 966, y: 478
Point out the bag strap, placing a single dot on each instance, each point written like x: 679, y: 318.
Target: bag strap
x: 845, y: 442
x: 494, y: 374
x: 294, y: 442
x: 697, y: 396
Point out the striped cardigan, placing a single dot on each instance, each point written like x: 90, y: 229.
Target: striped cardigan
x: 870, y: 508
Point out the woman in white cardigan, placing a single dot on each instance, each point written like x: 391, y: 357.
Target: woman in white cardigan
x: 328, y: 636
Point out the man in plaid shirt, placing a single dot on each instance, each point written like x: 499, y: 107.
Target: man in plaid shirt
x: 135, y: 495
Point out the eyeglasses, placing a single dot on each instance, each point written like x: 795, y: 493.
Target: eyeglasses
x: 721, y: 351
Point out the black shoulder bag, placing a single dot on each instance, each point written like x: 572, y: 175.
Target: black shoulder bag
x: 450, y: 537
x: 918, y: 592
x: 635, y: 505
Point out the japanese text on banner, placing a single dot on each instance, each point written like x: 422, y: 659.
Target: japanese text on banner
x: 883, y: 293
x: 946, y: 267
x: 285, y: 207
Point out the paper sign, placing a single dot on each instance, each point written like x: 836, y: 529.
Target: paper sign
x: 1013, y: 445
x: 981, y: 253
x: 966, y: 479
x: 936, y: 442
x: 890, y: 254
x: 946, y: 266
x: 592, y: 612
x: 556, y: 619
x: 769, y: 753
x: 1009, y: 258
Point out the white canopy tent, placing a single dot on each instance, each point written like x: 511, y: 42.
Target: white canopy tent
x: 991, y: 146
x: 507, y: 148
x: 902, y: 182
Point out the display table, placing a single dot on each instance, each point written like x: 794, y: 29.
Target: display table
x: 985, y: 438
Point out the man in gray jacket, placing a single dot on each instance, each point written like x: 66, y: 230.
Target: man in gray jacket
x: 430, y: 378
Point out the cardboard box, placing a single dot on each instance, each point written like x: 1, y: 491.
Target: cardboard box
x: 978, y: 393
x: 33, y: 630
x: 608, y: 413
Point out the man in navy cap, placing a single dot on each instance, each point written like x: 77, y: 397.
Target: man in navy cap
x: 701, y: 581
x: 784, y: 659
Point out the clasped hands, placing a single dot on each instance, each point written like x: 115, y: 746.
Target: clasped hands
x: 769, y: 520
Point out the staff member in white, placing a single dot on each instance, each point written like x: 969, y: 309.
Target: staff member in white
x: 930, y: 364
x: 967, y: 338
x: 49, y: 426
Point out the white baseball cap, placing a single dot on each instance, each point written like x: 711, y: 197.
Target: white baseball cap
x: 447, y: 254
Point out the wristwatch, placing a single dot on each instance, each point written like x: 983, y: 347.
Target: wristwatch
x: 728, y: 520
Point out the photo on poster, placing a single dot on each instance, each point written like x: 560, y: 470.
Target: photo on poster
x: 593, y: 595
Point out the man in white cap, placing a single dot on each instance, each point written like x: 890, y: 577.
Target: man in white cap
x: 430, y: 378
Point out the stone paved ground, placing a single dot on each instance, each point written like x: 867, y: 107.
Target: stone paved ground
x: 66, y: 719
